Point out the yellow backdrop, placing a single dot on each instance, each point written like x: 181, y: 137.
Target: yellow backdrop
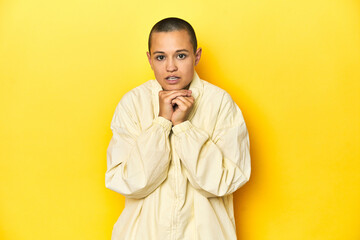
x: 293, y: 67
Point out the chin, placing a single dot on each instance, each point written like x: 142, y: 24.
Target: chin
x: 173, y: 87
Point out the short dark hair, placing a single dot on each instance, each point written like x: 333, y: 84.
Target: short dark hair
x: 174, y: 24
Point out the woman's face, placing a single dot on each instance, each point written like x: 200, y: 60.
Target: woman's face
x: 172, y: 59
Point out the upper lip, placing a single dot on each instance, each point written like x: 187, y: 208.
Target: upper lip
x: 172, y: 76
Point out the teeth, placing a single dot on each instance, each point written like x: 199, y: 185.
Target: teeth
x: 172, y: 78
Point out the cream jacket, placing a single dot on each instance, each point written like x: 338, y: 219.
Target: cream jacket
x: 177, y: 180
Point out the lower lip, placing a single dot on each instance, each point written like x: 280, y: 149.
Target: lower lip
x: 172, y: 81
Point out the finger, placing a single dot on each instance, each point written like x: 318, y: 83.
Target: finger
x: 178, y: 90
x: 177, y: 101
x: 186, y: 100
x: 181, y: 103
x: 181, y: 91
x: 191, y: 99
x: 173, y: 95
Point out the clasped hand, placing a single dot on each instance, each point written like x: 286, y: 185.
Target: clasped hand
x: 175, y: 105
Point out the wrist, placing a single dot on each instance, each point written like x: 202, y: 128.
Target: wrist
x: 177, y: 122
x: 164, y: 116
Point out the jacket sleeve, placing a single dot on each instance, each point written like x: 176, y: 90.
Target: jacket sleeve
x: 217, y: 165
x: 137, y: 161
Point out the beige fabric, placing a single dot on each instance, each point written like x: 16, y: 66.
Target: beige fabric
x: 177, y: 181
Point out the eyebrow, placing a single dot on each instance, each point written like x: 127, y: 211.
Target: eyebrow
x: 180, y: 50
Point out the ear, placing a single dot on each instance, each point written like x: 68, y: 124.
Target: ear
x: 198, y: 56
x: 149, y: 59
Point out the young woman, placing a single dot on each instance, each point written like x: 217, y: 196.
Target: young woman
x: 180, y: 147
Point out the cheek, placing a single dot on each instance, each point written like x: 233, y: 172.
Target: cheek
x: 187, y: 65
x: 158, y: 68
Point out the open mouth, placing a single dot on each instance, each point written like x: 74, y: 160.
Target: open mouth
x: 172, y: 78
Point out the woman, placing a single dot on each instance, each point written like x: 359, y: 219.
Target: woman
x: 180, y: 147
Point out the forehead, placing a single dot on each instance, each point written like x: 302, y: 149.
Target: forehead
x: 170, y: 41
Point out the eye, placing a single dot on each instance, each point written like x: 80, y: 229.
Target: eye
x: 181, y: 56
x: 160, y: 57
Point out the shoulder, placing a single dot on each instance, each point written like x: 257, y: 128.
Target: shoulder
x: 215, y: 93
x: 228, y: 111
x: 136, y: 95
x: 132, y: 99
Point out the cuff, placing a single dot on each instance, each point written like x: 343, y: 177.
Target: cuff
x: 166, y: 124
x: 182, y: 127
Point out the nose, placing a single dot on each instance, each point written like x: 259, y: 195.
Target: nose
x: 171, y: 65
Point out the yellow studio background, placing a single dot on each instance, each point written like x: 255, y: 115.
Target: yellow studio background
x: 293, y: 67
